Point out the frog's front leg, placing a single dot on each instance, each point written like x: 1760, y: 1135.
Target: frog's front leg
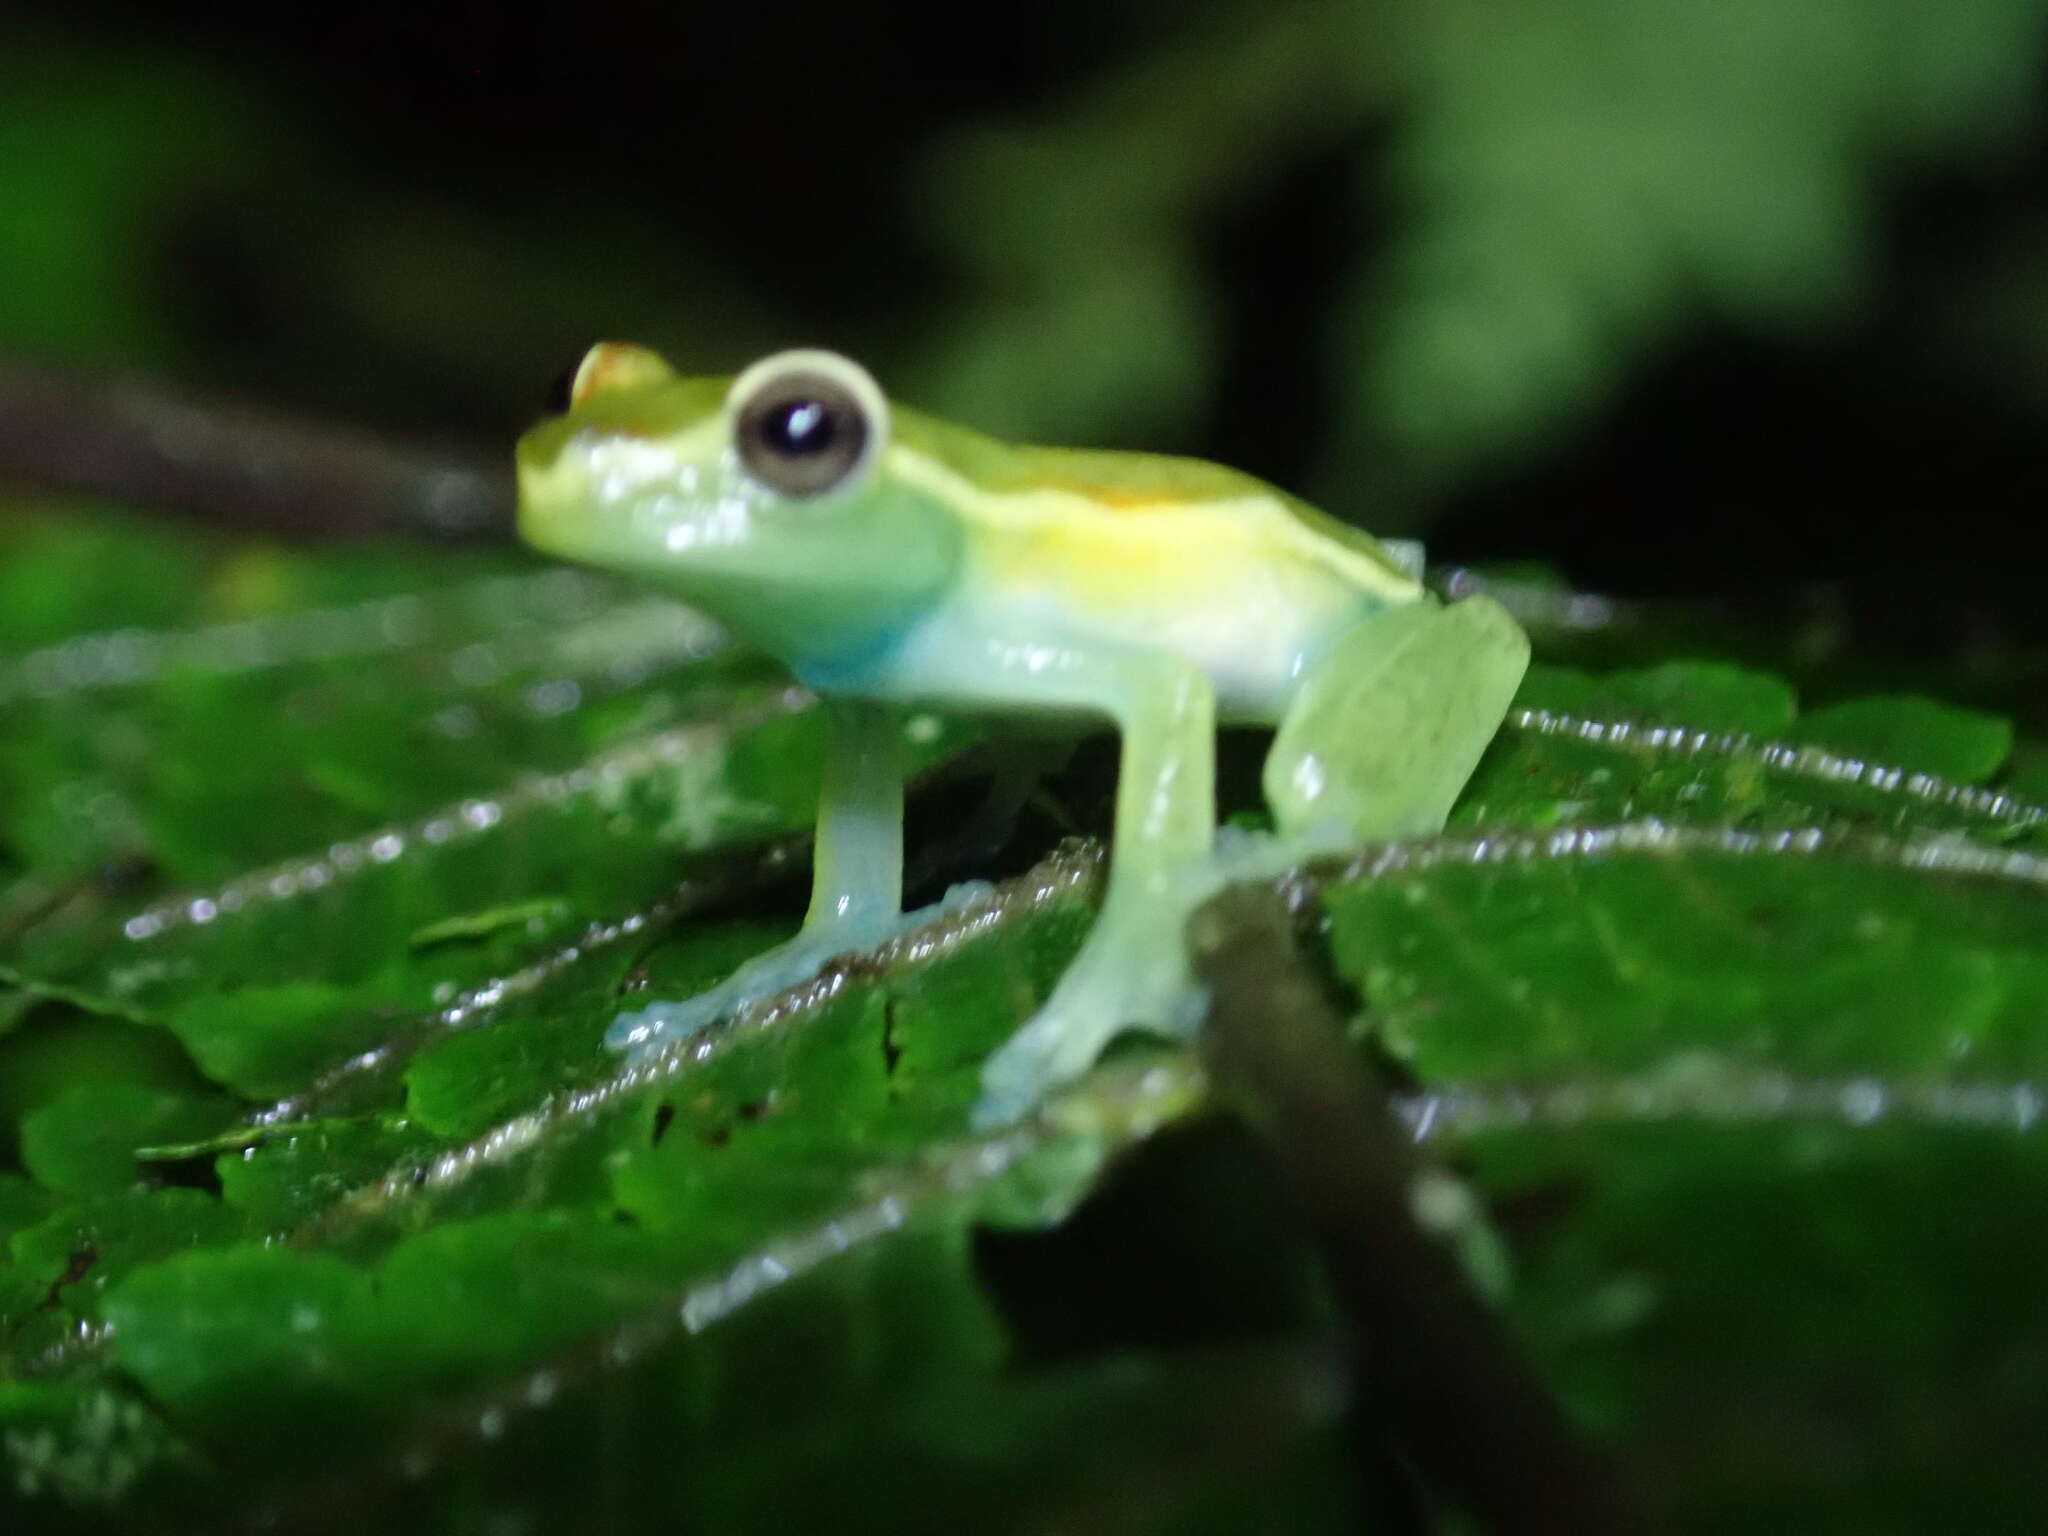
x: 856, y: 879
x: 857, y: 855
x: 1133, y: 968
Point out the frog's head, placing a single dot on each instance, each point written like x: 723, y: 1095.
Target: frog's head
x: 764, y: 499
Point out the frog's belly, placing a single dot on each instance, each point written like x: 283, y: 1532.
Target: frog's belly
x: 1253, y: 644
x: 1253, y: 636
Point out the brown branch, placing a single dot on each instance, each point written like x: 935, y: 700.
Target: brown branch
x: 1432, y: 1361
x: 240, y: 466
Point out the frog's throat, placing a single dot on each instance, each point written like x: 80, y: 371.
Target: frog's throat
x: 823, y: 629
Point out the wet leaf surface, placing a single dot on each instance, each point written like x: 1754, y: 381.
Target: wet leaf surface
x: 320, y: 885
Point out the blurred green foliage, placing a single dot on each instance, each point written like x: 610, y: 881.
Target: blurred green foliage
x: 1515, y: 208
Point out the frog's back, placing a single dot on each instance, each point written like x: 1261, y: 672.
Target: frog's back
x: 1011, y: 485
x: 1151, y: 551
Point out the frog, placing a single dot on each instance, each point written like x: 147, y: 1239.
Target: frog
x: 894, y: 561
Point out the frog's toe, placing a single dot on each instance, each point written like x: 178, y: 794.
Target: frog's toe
x: 1064, y: 1039
x: 789, y: 964
x: 660, y: 1024
x: 1001, y: 1105
x: 775, y: 970
x: 1043, y: 1055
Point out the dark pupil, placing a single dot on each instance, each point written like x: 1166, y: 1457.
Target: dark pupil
x: 802, y: 436
x: 800, y: 428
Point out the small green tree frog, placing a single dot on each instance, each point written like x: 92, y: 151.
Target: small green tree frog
x: 890, y: 560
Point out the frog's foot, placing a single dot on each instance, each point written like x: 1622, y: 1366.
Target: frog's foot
x: 1108, y: 989
x: 648, y: 1030
x: 1245, y: 855
x: 789, y: 964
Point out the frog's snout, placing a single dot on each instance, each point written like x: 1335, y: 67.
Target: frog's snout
x: 545, y: 498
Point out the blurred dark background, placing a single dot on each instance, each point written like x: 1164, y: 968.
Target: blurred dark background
x: 1671, y: 298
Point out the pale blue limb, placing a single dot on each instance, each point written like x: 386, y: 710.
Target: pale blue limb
x: 856, y: 880
x: 857, y: 856
x: 1133, y: 969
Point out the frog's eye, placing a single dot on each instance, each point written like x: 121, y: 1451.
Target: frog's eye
x: 608, y: 365
x: 807, y: 423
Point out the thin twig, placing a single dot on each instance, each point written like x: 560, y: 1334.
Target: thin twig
x: 238, y: 466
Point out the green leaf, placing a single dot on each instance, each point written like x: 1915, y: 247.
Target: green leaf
x: 1705, y: 695
x: 289, y: 1177
x: 22, y: 1202
x: 86, y: 1246
x: 84, y: 1142
x: 66, y: 1448
x: 1924, y: 735
x: 1618, y: 955
x: 462, y: 1084
x: 261, y: 1040
x: 1724, y: 1299
x: 1582, y: 748
x: 1688, y: 957
x: 287, y: 1364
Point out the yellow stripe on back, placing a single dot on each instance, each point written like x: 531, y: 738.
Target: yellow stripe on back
x: 1120, y: 524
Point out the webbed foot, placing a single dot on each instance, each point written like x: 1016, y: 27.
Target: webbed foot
x: 775, y: 970
x: 1132, y: 974
x: 1141, y: 983
x: 645, y: 1031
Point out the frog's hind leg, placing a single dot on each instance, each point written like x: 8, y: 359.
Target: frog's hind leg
x: 1388, y: 725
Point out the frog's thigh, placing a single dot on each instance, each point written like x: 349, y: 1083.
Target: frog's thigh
x: 1383, y: 733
